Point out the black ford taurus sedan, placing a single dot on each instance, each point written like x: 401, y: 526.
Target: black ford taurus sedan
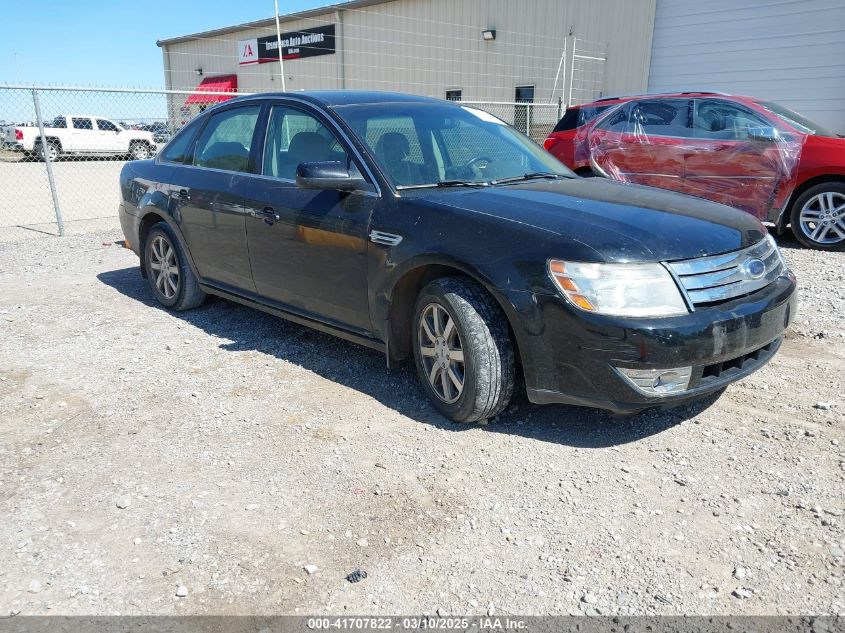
x: 429, y: 229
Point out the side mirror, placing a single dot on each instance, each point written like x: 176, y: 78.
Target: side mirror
x: 329, y: 174
x: 763, y: 134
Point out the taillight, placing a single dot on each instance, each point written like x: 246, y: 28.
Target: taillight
x: 549, y: 143
x: 18, y: 134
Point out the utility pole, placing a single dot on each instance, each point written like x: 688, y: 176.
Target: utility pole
x: 279, y: 43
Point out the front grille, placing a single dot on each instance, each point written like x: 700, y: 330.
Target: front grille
x: 717, y: 278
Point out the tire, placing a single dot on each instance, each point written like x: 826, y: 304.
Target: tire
x: 818, y: 217
x: 478, y: 334
x: 177, y: 289
x: 52, y: 150
x: 139, y: 150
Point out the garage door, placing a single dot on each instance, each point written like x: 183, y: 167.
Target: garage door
x: 790, y: 51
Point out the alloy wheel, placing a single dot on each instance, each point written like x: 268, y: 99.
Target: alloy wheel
x: 49, y: 151
x: 822, y: 218
x: 164, y: 267
x: 441, y: 352
x: 140, y: 152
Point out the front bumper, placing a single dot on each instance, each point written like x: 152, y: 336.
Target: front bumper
x: 571, y: 356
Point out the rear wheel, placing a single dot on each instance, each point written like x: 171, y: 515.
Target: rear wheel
x: 48, y: 150
x: 818, y: 217
x: 462, y: 350
x: 172, y: 281
x: 139, y: 151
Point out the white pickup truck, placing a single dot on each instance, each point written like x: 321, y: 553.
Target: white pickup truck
x: 80, y: 135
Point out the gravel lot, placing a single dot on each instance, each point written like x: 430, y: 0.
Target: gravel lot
x: 199, y: 462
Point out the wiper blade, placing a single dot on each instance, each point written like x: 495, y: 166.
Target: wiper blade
x: 445, y: 183
x: 533, y: 175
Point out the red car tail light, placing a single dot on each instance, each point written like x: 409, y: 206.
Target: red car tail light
x: 549, y: 143
x: 18, y: 134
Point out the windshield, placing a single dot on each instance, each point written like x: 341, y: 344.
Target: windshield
x: 429, y: 144
x: 798, y: 121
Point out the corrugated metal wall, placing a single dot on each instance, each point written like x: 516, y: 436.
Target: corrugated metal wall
x: 429, y: 46
x: 792, y: 52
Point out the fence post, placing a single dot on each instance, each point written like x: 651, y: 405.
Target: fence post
x: 528, y: 122
x: 559, y: 108
x: 47, y: 162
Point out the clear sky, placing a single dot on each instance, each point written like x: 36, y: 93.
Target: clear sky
x: 111, y: 42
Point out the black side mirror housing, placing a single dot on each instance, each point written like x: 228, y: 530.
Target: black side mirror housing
x: 330, y: 174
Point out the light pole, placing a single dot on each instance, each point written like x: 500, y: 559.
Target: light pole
x: 279, y: 44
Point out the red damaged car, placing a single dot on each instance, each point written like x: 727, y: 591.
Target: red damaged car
x: 744, y: 152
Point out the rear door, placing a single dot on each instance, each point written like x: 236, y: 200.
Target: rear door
x: 725, y: 163
x: 308, y: 248
x: 644, y: 142
x: 208, y: 194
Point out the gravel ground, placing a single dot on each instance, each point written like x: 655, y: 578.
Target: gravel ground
x: 224, y: 461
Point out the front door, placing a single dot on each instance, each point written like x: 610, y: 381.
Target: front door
x: 108, y: 136
x: 208, y: 197
x: 308, y: 248
x: 727, y: 163
x: 83, y: 137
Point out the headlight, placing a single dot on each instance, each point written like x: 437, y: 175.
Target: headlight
x: 634, y: 290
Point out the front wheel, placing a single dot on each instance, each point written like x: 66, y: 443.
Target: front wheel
x: 818, y: 217
x: 462, y: 350
x: 139, y: 151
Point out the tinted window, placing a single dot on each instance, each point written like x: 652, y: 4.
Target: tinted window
x: 718, y: 119
x: 179, y: 149
x: 226, y: 139
x: 82, y: 124
x: 795, y: 119
x: 576, y: 117
x: 295, y: 137
x: 657, y: 117
x: 59, y: 122
x: 107, y: 126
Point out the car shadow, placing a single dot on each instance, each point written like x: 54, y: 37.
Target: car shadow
x: 246, y: 329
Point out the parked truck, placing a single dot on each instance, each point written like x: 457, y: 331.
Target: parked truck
x: 80, y: 135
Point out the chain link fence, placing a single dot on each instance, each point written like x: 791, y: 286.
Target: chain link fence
x: 62, y: 149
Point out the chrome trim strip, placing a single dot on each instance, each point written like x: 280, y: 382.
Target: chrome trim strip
x: 721, y: 277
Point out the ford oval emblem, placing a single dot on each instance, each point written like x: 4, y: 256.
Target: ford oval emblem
x: 754, y: 268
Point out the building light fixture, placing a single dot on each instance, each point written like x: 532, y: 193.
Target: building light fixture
x: 198, y: 71
x: 489, y: 34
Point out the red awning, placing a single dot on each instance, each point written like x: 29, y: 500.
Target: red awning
x: 220, y: 83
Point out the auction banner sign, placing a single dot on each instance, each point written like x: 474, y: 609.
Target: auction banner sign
x: 295, y: 45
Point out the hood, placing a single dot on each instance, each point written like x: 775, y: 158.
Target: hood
x: 621, y: 222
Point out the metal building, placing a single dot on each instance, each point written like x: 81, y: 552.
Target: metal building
x: 791, y: 51
x: 487, y: 50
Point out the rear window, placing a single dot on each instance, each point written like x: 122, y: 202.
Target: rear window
x: 576, y: 117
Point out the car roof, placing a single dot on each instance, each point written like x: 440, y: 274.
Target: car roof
x: 659, y: 95
x: 330, y: 98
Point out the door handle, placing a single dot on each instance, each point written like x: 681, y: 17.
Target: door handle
x: 268, y: 214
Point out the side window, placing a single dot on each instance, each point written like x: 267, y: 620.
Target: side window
x: 106, y: 126
x: 395, y: 142
x: 661, y: 117
x: 179, y: 149
x: 617, y: 121
x: 295, y: 137
x: 59, y: 122
x: 82, y: 124
x: 588, y: 113
x: 718, y: 119
x: 226, y: 140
